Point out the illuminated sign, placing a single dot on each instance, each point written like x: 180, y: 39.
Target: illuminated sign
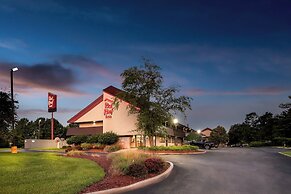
x: 108, y: 108
x: 52, y: 102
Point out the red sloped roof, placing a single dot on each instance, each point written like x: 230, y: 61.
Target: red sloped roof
x: 109, y: 90
x: 112, y: 90
x: 206, y: 129
x: 86, y: 109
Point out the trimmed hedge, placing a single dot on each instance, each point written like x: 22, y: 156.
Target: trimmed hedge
x: 259, y: 144
x: 280, y: 141
x: 171, y: 148
x: 112, y: 148
x: 107, y: 138
x: 77, y: 140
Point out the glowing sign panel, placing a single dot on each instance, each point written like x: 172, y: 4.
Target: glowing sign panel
x: 52, y: 102
x: 108, y: 108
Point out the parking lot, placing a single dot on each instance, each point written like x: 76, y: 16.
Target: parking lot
x: 227, y: 170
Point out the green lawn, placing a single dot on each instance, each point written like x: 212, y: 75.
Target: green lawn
x: 286, y: 153
x: 46, y: 173
x: 49, y: 149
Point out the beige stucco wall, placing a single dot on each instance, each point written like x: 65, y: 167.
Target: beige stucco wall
x: 96, y: 124
x: 121, y: 122
x: 44, y: 143
x: 206, y: 133
x: 96, y: 114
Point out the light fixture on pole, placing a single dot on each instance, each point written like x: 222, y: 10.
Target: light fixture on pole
x: 199, y: 131
x: 12, y: 95
x: 175, y: 121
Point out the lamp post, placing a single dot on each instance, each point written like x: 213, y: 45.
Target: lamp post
x: 175, y: 121
x: 12, y: 97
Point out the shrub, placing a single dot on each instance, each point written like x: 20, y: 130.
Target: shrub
x: 122, y: 160
x: 76, y: 153
x: 172, y: 148
x: 69, y: 148
x: 77, y: 140
x: 259, y: 144
x: 94, y: 138
x: 281, y: 141
x: 154, y: 165
x: 136, y: 170
x: 112, y: 148
x: 86, y: 146
x: 108, y: 138
x: 98, y: 146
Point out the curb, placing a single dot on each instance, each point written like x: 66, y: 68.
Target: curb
x: 282, y: 153
x: 190, y: 153
x: 140, y: 184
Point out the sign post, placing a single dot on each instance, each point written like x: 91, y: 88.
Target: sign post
x: 52, y: 107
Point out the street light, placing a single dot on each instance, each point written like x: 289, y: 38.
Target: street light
x: 12, y: 98
x: 175, y: 121
x: 199, y: 131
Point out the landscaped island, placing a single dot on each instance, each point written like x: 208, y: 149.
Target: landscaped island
x: 46, y: 173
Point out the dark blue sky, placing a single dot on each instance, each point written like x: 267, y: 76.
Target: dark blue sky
x: 233, y: 57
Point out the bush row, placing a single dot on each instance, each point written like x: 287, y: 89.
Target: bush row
x: 136, y: 164
x: 282, y: 141
x: 260, y: 143
x: 278, y: 141
x: 107, y: 138
x: 171, y: 148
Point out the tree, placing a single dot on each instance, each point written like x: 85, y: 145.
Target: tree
x: 193, y: 136
x: 147, y: 98
x: 7, y: 112
x: 285, y: 105
x: 265, y: 127
x: 218, y: 135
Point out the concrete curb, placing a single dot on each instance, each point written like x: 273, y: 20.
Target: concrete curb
x: 140, y: 184
x: 284, y: 154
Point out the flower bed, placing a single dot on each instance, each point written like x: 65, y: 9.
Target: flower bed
x: 114, y: 179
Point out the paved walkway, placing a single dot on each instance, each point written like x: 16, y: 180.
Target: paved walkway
x: 227, y: 171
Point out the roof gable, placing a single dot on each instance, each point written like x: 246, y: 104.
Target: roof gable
x: 109, y: 90
x: 86, y: 109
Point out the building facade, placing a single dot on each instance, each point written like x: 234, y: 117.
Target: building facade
x: 100, y: 116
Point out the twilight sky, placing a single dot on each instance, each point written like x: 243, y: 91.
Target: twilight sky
x: 232, y: 57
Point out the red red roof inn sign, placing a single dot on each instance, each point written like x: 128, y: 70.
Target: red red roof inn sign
x: 52, y: 102
x: 52, y: 107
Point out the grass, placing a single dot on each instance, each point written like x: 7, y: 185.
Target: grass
x: 49, y: 149
x: 46, y: 173
x: 286, y: 153
x: 122, y: 160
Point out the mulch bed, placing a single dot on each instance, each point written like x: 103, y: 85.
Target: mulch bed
x: 111, y: 180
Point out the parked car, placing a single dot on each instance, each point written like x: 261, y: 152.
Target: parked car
x: 202, y: 145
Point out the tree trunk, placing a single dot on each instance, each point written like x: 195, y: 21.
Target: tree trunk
x: 151, y: 140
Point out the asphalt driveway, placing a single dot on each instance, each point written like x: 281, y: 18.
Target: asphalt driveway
x: 227, y: 171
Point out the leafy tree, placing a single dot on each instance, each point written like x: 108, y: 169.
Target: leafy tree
x: 218, y: 135
x: 265, y: 127
x: 235, y: 134
x: 193, y: 136
x: 285, y: 105
x: 7, y: 112
x: 147, y: 98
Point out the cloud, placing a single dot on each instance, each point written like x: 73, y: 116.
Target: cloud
x: 89, y: 65
x: 12, y: 44
x: 43, y: 76
x: 272, y: 90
